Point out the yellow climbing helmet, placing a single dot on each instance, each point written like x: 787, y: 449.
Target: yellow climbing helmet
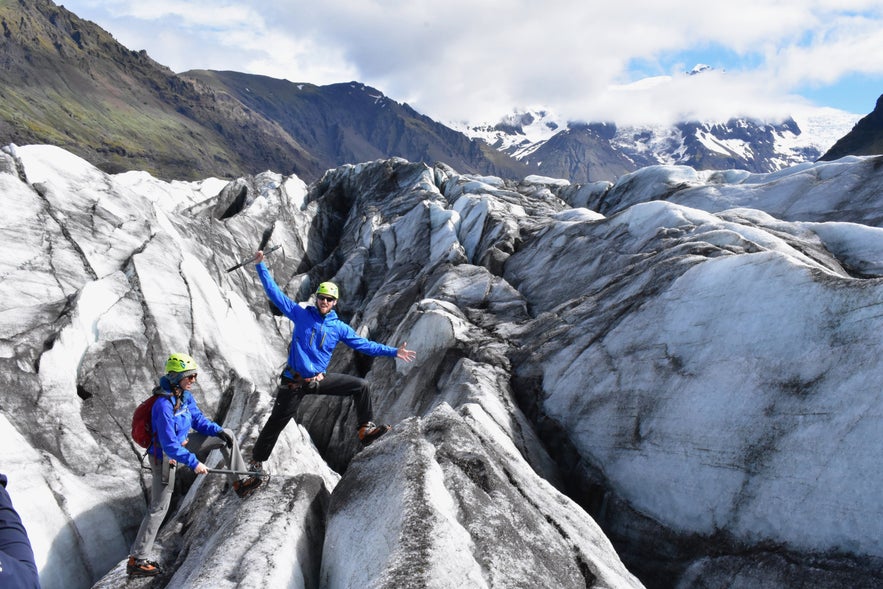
x: 180, y: 363
x: 328, y: 289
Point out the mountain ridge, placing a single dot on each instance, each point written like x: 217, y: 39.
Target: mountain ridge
x: 356, y: 123
x: 551, y: 144
x: 71, y: 84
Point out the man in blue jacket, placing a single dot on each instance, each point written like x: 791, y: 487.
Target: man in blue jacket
x: 317, y: 330
x: 18, y: 570
x: 179, y: 430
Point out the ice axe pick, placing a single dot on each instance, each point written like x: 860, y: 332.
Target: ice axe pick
x: 250, y: 259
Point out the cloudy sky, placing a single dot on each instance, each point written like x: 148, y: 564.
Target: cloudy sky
x: 478, y: 60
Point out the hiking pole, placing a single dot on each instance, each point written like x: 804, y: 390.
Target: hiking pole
x: 260, y: 474
x: 251, y: 473
x: 246, y: 261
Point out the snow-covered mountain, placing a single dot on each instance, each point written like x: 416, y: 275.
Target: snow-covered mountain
x: 586, y: 152
x: 747, y: 144
x: 670, y: 381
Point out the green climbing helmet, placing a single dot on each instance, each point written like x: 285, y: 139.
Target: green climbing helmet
x: 328, y: 289
x: 180, y: 363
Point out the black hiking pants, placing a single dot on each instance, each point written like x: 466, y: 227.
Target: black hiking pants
x: 289, y: 395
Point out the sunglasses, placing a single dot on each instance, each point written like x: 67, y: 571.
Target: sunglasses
x: 325, y: 299
x: 190, y: 376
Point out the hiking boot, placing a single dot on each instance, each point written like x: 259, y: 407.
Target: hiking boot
x: 368, y: 432
x: 141, y: 567
x: 245, y: 487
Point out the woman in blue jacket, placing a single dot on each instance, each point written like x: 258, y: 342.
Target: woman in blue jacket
x: 317, y: 330
x: 180, y: 429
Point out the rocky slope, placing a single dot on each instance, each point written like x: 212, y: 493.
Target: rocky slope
x: 866, y: 138
x: 67, y: 82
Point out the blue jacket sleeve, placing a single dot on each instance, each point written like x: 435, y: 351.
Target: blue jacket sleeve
x: 18, y: 570
x: 349, y: 336
x: 163, y: 416
x: 288, y: 307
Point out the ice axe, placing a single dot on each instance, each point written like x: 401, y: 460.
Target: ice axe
x: 250, y: 259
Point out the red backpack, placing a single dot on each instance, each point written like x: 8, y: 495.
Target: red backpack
x: 142, y: 426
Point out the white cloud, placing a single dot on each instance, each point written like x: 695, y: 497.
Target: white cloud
x: 848, y: 45
x: 197, y: 14
x: 478, y: 60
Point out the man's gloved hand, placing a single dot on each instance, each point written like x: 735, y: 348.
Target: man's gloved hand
x: 227, y: 439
